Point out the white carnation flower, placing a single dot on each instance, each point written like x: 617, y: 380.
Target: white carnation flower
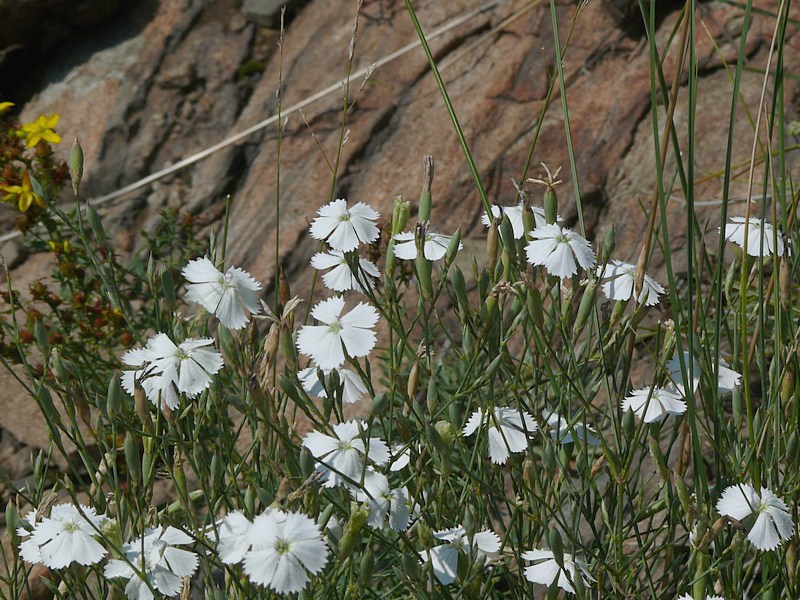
x: 759, y: 231
x: 352, y: 391
x: 66, y: 536
x: 773, y: 522
x: 559, y: 250
x: 345, y: 227
x: 434, y: 245
x: 727, y: 380
x: 565, y: 433
x: 341, y: 277
x: 654, y: 406
x: 232, y: 297
x: 285, y: 548
x: 383, y: 500
x: 166, y: 370
x: 620, y: 279
x: 352, y: 332
x: 546, y: 570
x: 509, y: 430
x: 341, y: 458
x: 481, y: 548
x: 514, y: 214
x: 154, y: 559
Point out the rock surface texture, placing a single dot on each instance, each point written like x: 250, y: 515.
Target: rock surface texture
x: 168, y: 79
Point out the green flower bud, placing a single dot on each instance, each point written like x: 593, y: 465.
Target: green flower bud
x: 133, y: 459
x: 452, y: 247
x: 425, y: 197
x: 96, y: 224
x: 114, y: 396
x: 366, y: 567
x: 608, y: 245
x: 76, y: 165
x: 556, y: 546
x: 400, y: 213
x: 585, y: 307
x: 460, y: 287
x: 447, y: 432
x: 492, y: 240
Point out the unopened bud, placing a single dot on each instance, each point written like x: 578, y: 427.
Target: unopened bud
x: 447, y: 432
x: 785, y: 283
x: 608, y: 245
x: 76, y: 166
x: 556, y: 546
x: 585, y: 308
x: 133, y: 460
x: 425, y: 197
x: 492, y: 240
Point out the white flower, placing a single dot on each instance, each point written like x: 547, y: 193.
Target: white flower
x: 233, y: 539
x: 688, y: 597
x: 231, y: 296
x: 66, y: 536
x: 401, y: 456
x: 166, y: 370
x: 285, y: 548
x: 564, y: 433
x: 728, y: 378
x: 352, y: 391
x: 773, y: 522
x: 758, y: 230
x: 346, y: 227
x: 620, y: 279
x: 482, y: 549
x: 341, y: 458
x: 509, y: 430
x: 514, y: 214
x: 545, y: 570
x: 383, y: 500
x: 434, y: 245
x: 156, y: 561
x: 653, y: 407
x: 326, y: 344
x: 559, y: 250
x: 342, y: 278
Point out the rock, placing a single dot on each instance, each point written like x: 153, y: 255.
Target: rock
x: 263, y: 12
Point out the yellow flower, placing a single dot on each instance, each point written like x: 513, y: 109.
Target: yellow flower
x: 4, y: 106
x: 40, y: 129
x: 23, y: 194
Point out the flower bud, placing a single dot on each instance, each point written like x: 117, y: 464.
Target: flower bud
x: 96, y: 224
x: 307, y: 462
x: 114, y: 396
x: 432, y: 396
x: 785, y: 283
x: 585, y: 307
x: 629, y: 424
x: 460, y: 288
x: 787, y: 385
x: 401, y: 210
x: 359, y: 513
x: 142, y: 406
x: 791, y: 560
x: 425, y: 197
x: 608, y: 245
x: 413, y: 381
x: 12, y: 523
x: 737, y: 407
x: 556, y: 546
x: 452, y: 247
x: 76, y: 165
x: 507, y: 236
x: 425, y: 534
x: 133, y: 459
x: 366, y: 567
x: 491, y: 246
x: 447, y: 432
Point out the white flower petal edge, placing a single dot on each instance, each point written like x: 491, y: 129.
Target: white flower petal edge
x: 620, y: 280
x: 758, y: 231
x: 727, y: 379
x: 285, y: 548
x: 508, y: 430
x: 773, y: 522
x: 341, y: 457
x: 66, y: 536
x: 352, y: 332
x: 341, y: 278
x: 545, y: 570
x: 353, y: 389
x: 345, y: 228
x: 482, y: 549
x: 434, y: 245
x: 559, y: 250
x: 655, y: 406
x: 232, y: 297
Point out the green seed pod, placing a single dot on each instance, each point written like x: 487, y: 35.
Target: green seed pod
x: 617, y: 312
x: 217, y: 472
x: 425, y: 197
x: 366, y: 567
x: 585, y: 307
x: 556, y: 546
x: 133, y: 459
x: 453, y: 246
x: 307, y: 462
x: 447, y: 432
x: 168, y: 287
x: 76, y: 165
x: 507, y: 236
x: 792, y: 449
x: 791, y: 560
x: 359, y: 513
x: 114, y: 396
x: 460, y: 288
x: 737, y: 406
x: 250, y: 500
x: 608, y: 245
x: 629, y: 424
x: 566, y: 306
x: 424, y: 275
x: 96, y: 224
x: 550, y: 205
x: 40, y: 333
x: 432, y: 397
x: 535, y: 308
x: 528, y: 474
x: 325, y: 516
x: 12, y: 523
x: 492, y: 239
x: 401, y: 210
